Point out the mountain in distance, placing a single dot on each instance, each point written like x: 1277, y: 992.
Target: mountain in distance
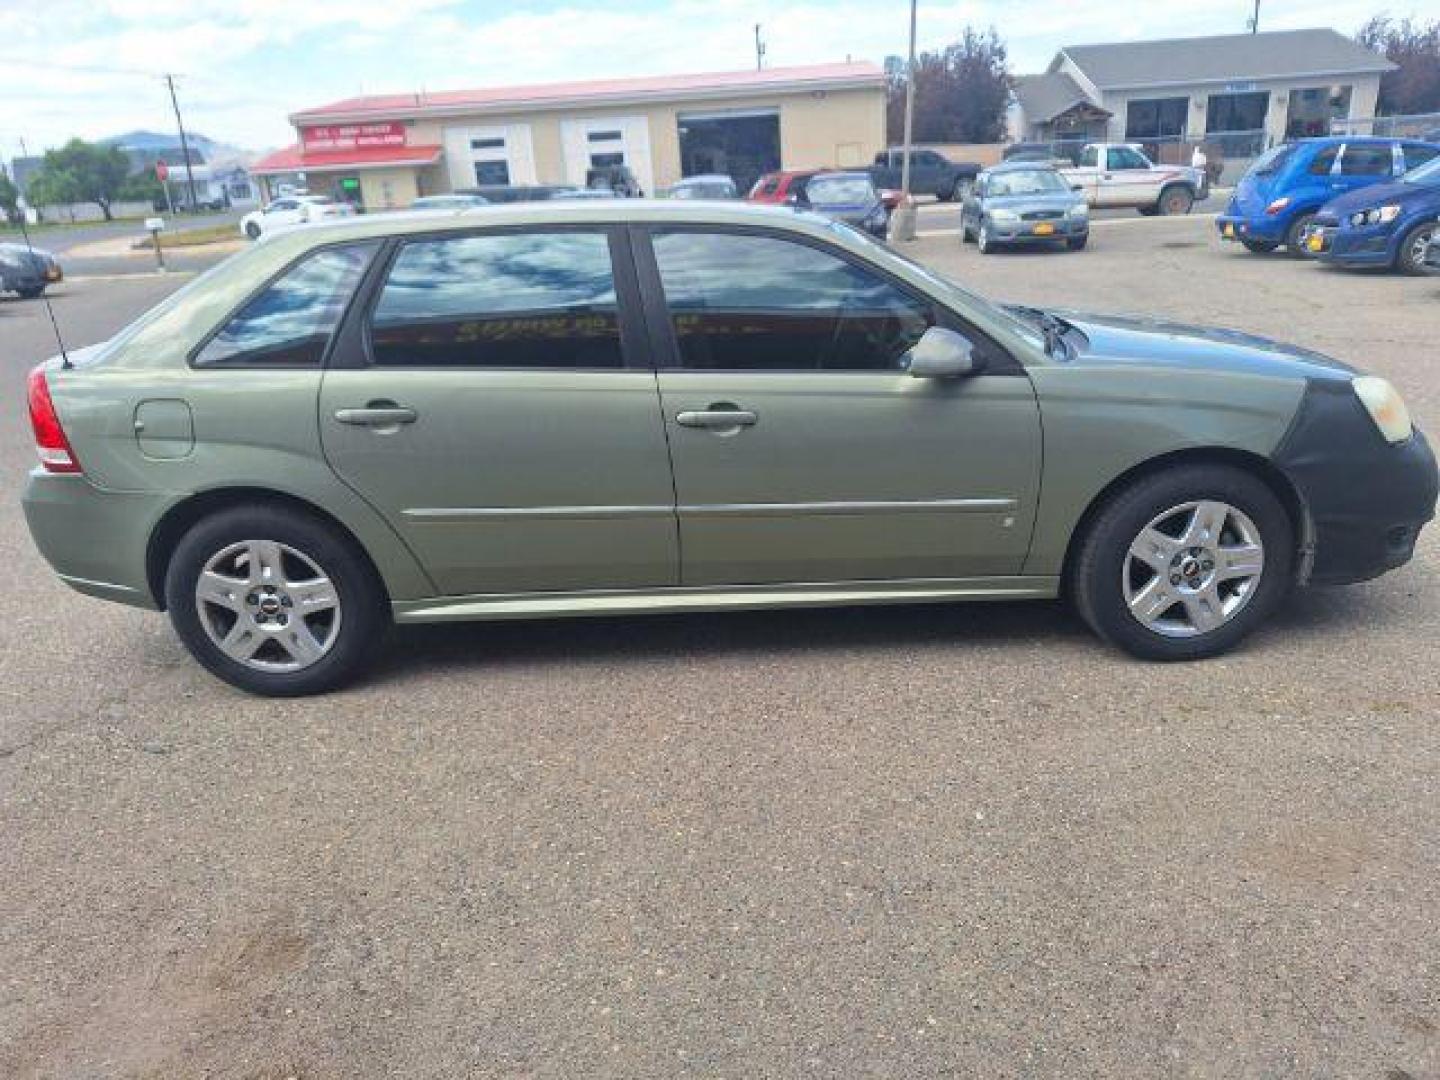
x: 151, y: 146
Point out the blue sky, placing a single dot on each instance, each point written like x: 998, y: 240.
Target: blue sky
x: 247, y: 63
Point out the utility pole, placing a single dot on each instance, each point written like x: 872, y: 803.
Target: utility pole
x: 759, y: 49
x: 1255, y: 19
x: 184, y: 144
x: 902, y: 225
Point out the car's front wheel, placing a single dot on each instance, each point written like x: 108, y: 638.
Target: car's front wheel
x: 1410, y: 259
x: 1295, y: 237
x: 983, y: 243
x: 274, y: 601
x: 252, y: 230
x: 1184, y: 563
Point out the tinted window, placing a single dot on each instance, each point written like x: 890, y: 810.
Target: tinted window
x: 528, y: 300
x: 1273, y: 160
x: 1090, y: 157
x: 1324, y: 161
x: 1367, y: 161
x: 289, y: 323
x: 745, y: 302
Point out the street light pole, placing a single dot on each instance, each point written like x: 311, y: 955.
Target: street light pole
x: 902, y: 225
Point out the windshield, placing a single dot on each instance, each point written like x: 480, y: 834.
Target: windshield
x: 1428, y: 174
x: 840, y: 189
x: 715, y: 189
x: 1272, y: 160
x: 1025, y: 182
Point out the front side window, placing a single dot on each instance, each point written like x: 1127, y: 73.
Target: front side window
x: 289, y: 323
x: 503, y: 300
x: 1122, y: 157
x: 1367, y: 161
x: 744, y: 302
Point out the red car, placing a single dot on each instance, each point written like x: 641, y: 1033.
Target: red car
x: 777, y: 187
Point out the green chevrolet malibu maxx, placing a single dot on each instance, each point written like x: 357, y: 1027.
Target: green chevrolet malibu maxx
x: 601, y: 408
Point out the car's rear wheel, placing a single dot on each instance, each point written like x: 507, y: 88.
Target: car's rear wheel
x: 1260, y: 247
x: 252, y: 230
x: 1410, y: 259
x: 274, y: 601
x: 1295, y: 237
x: 1184, y: 563
x: 1175, y: 200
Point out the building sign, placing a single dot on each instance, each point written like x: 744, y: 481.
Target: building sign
x: 353, y: 136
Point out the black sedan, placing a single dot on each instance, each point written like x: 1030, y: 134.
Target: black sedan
x: 27, y: 271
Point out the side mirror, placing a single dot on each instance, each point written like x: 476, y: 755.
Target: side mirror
x: 1077, y: 187
x: 941, y: 354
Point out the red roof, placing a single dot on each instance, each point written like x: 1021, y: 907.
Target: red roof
x: 816, y: 75
x: 295, y: 159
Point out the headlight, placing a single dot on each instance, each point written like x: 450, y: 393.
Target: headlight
x: 1004, y: 215
x: 1385, y: 406
x: 1080, y: 209
x: 1380, y: 215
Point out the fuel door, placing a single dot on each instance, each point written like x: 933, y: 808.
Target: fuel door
x: 164, y: 428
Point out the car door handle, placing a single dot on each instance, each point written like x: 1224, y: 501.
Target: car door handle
x: 716, y: 418
x: 377, y: 414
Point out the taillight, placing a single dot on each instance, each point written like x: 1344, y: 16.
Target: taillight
x: 50, y: 441
x: 1278, y: 205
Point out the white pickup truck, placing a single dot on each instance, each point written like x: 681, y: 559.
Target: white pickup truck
x: 1118, y: 174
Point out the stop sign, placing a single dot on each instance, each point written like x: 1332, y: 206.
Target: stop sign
x: 161, y: 170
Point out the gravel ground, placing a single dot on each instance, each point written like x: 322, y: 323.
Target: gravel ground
x: 897, y: 842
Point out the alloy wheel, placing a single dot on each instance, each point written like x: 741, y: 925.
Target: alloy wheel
x: 1193, y: 568
x: 268, y: 606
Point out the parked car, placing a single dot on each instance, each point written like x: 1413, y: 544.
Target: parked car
x: 849, y: 197
x: 1280, y: 194
x: 1120, y: 175
x: 931, y: 173
x: 1382, y: 225
x: 292, y: 210
x: 509, y: 193
x: 1432, y: 252
x: 504, y: 424
x: 449, y: 202
x: 1023, y: 203
x: 704, y: 186
x: 27, y: 271
x: 786, y: 185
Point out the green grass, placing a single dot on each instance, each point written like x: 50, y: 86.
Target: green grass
x: 60, y: 226
x: 211, y: 234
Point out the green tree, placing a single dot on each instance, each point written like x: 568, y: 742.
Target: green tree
x: 52, y: 187
x: 142, y: 187
x: 95, y: 173
x: 1414, y: 85
x: 961, y: 92
x: 9, y: 197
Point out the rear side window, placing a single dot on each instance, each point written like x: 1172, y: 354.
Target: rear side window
x: 1090, y: 157
x: 1324, y: 161
x: 760, y: 303
x: 1367, y: 161
x: 504, y: 300
x: 289, y: 323
x: 1417, y: 154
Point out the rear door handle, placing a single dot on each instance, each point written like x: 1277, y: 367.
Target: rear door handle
x: 716, y: 418
x: 377, y: 415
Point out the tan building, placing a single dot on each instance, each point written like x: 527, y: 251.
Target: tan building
x: 382, y: 151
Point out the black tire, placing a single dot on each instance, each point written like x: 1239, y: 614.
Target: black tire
x: 31, y: 292
x: 1077, y: 243
x: 1101, y: 559
x: 966, y: 236
x: 983, y: 243
x: 252, y: 230
x: 960, y: 189
x: 1260, y: 247
x: 1295, y: 237
x: 1410, y: 258
x: 1148, y: 211
x: 363, y: 609
x: 1175, y: 200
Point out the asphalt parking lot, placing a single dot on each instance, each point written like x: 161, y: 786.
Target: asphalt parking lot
x: 908, y: 842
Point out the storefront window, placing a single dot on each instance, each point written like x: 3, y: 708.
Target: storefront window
x: 1156, y: 118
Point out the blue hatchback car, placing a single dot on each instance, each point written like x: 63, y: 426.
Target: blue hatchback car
x: 1278, y: 198
x: 1384, y: 225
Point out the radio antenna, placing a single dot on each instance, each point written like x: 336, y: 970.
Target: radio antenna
x: 30, y: 249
